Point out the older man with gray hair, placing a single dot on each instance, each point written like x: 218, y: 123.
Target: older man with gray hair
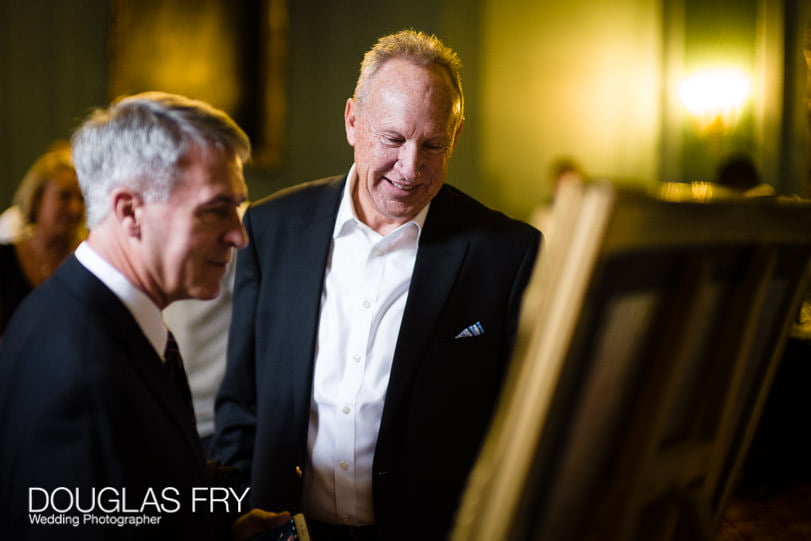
x: 95, y: 417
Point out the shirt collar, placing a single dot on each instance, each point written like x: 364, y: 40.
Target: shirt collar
x: 347, y: 215
x: 145, y: 312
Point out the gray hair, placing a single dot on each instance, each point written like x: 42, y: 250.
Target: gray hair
x: 139, y: 142
x: 416, y: 47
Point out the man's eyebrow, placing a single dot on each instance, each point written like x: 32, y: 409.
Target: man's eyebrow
x: 225, y: 199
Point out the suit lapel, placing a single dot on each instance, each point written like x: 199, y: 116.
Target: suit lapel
x: 138, y: 352
x: 155, y: 377
x: 439, y: 258
x: 306, y: 281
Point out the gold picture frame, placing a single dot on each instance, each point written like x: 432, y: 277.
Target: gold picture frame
x: 229, y: 54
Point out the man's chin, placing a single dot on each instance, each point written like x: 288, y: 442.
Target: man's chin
x: 209, y: 294
x: 205, y: 292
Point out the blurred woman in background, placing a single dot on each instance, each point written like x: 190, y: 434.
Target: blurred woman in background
x: 51, y: 207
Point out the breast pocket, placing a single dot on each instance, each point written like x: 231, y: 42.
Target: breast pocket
x: 454, y: 360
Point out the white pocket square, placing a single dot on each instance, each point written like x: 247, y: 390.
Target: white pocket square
x: 472, y: 330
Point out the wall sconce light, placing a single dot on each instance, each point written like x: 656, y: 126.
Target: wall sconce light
x: 715, y: 98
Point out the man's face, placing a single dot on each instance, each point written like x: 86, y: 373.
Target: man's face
x: 403, y: 133
x: 187, y: 241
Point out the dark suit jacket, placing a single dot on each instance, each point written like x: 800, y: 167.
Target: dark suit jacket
x: 85, y: 403
x: 472, y: 265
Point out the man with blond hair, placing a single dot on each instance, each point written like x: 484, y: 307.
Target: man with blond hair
x: 374, y: 314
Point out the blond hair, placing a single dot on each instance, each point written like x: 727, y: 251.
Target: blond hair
x: 417, y: 47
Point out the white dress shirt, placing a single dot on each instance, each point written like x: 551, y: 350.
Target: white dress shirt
x: 141, y: 307
x: 362, y: 303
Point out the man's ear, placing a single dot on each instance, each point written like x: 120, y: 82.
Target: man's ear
x: 127, y: 207
x: 350, y: 120
x: 458, y: 132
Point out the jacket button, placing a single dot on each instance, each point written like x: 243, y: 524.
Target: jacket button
x: 298, y: 471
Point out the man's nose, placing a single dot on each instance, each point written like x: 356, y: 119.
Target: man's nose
x: 410, y: 160
x: 236, y: 236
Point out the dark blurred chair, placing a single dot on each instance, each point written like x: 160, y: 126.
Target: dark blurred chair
x: 649, y: 339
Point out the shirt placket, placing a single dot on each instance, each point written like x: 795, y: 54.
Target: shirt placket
x: 369, y: 274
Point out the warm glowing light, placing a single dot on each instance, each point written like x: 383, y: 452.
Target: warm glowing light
x: 715, y: 92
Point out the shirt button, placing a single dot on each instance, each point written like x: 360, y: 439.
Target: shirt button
x: 379, y: 252
x: 346, y: 410
x: 344, y: 466
x: 356, y: 358
x: 366, y: 304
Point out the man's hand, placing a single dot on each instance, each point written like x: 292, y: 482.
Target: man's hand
x: 255, y: 522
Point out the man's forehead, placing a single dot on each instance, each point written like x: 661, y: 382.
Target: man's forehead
x: 401, y: 81
x: 402, y: 73
x: 214, y: 175
x: 230, y: 186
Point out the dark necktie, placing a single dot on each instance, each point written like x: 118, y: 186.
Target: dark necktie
x: 174, y: 365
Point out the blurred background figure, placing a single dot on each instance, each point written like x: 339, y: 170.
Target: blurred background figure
x: 563, y: 170
x: 45, y: 224
x: 739, y: 173
x: 11, y: 225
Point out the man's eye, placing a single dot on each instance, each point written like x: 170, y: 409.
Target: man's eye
x: 215, y: 214
x: 391, y: 140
